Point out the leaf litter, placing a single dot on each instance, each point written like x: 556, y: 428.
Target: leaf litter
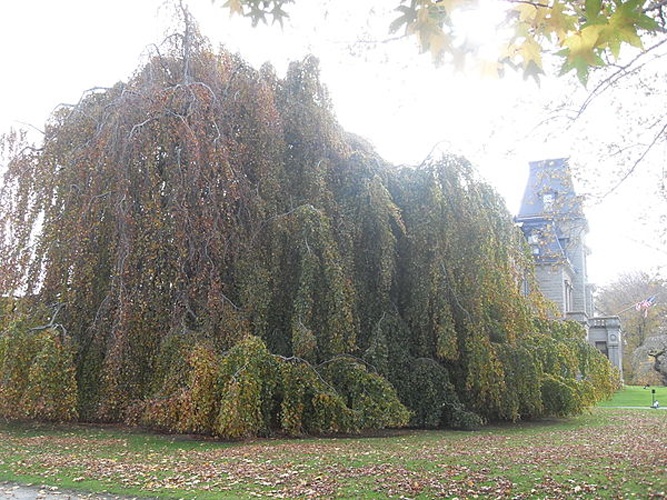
x: 626, y: 457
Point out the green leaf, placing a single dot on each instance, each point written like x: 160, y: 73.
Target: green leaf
x: 407, y: 17
x: 593, y: 8
x: 646, y: 23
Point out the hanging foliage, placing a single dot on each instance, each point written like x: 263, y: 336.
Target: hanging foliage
x: 247, y: 391
x: 37, y: 377
x: 231, y: 262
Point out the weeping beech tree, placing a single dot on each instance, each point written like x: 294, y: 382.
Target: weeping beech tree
x: 227, y: 260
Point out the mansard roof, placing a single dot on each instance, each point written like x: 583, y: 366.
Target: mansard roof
x: 550, y: 193
x: 551, y: 214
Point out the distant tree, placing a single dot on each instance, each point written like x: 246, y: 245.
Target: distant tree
x: 650, y: 361
x: 621, y: 298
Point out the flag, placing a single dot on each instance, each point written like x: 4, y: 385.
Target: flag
x: 645, y: 304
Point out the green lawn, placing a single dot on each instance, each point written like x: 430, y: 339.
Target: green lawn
x: 633, y: 396
x: 610, y: 453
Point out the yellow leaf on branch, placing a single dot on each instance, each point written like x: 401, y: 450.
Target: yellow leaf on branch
x: 531, y: 14
x: 234, y: 7
x: 582, y: 44
x: 438, y: 43
x: 452, y: 5
x: 560, y: 22
x: 530, y: 52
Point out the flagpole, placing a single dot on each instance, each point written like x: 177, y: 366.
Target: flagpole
x: 633, y: 306
x: 644, y: 304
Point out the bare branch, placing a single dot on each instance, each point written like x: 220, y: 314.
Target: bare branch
x: 634, y: 166
x: 621, y: 72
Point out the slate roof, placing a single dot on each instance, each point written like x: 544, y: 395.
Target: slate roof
x: 550, y: 176
x: 549, y: 207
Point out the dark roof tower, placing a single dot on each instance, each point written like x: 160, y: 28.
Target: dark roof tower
x: 550, y: 191
x: 552, y: 219
x: 551, y: 213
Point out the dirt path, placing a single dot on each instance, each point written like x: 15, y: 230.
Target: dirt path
x: 12, y: 491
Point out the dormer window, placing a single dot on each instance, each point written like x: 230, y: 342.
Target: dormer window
x: 534, y: 242
x: 548, y: 201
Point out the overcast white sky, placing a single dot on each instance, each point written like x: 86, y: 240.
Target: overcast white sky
x: 52, y: 51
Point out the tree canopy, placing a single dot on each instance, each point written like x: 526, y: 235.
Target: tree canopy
x: 583, y: 34
x: 204, y: 249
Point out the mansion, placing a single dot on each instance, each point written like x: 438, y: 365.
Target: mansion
x: 553, y: 221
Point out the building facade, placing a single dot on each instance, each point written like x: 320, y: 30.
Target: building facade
x: 554, y: 224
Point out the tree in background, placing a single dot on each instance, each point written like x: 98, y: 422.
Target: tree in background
x: 640, y: 321
x: 650, y: 360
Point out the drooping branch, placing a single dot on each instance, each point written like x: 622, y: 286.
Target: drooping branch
x: 52, y: 322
